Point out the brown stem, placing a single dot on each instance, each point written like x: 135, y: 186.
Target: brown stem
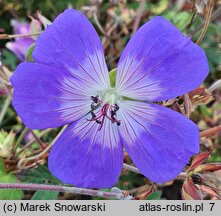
x: 215, y: 15
x: 207, y: 21
x: 139, y: 15
x: 33, y: 140
x: 38, y: 140
x: 22, y: 163
x: 6, y: 36
x: 211, y: 131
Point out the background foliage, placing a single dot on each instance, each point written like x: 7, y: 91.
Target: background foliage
x: 115, y: 21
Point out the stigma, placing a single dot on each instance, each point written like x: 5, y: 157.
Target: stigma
x: 103, y: 109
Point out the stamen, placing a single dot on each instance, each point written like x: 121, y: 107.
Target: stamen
x: 116, y: 108
x: 95, y: 99
x: 107, y: 110
x: 93, y: 115
x: 94, y: 106
x: 98, y: 121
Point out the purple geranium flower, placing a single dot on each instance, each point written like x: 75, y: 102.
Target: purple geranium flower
x: 69, y: 83
x: 20, y: 46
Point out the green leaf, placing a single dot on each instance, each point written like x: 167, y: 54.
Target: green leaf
x: 180, y: 19
x: 8, y: 194
x: 28, y: 56
x: 155, y: 196
x: 130, y: 180
x: 45, y: 195
x: 159, y: 8
x: 40, y: 175
x: 112, y: 75
x: 205, y: 111
x: 215, y: 157
x: 9, y: 59
x: 2, y: 168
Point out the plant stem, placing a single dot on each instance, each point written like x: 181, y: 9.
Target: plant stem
x: 20, y: 138
x: 182, y: 175
x: 66, y: 189
x: 5, y: 82
x: 6, y: 36
x: 211, y: 131
x: 216, y: 85
x: 139, y: 15
x: 38, y: 140
x: 33, y: 140
x: 5, y: 108
x: 131, y: 168
x: 206, y: 24
x: 215, y: 15
x: 22, y: 162
x: 98, y: 23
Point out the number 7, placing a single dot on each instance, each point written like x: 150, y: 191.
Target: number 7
x: 212, y: 205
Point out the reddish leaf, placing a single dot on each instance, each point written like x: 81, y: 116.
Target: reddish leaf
x: 200, y: 95
x: 210, y: 191
x: 208, y: 167
x: 187, y: 104
x: 199, y: 159
x: 190, y: 191
x: 144, y: 194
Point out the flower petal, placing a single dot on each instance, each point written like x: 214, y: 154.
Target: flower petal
x: 45, y: 96
x: 160, y: 141
x: 72, y: 43
x: 20, y: 47
x: 160, y: 63
x: 20, y: 27
x: 86, y: 157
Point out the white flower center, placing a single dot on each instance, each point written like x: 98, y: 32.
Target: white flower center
x: 111, y: 96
